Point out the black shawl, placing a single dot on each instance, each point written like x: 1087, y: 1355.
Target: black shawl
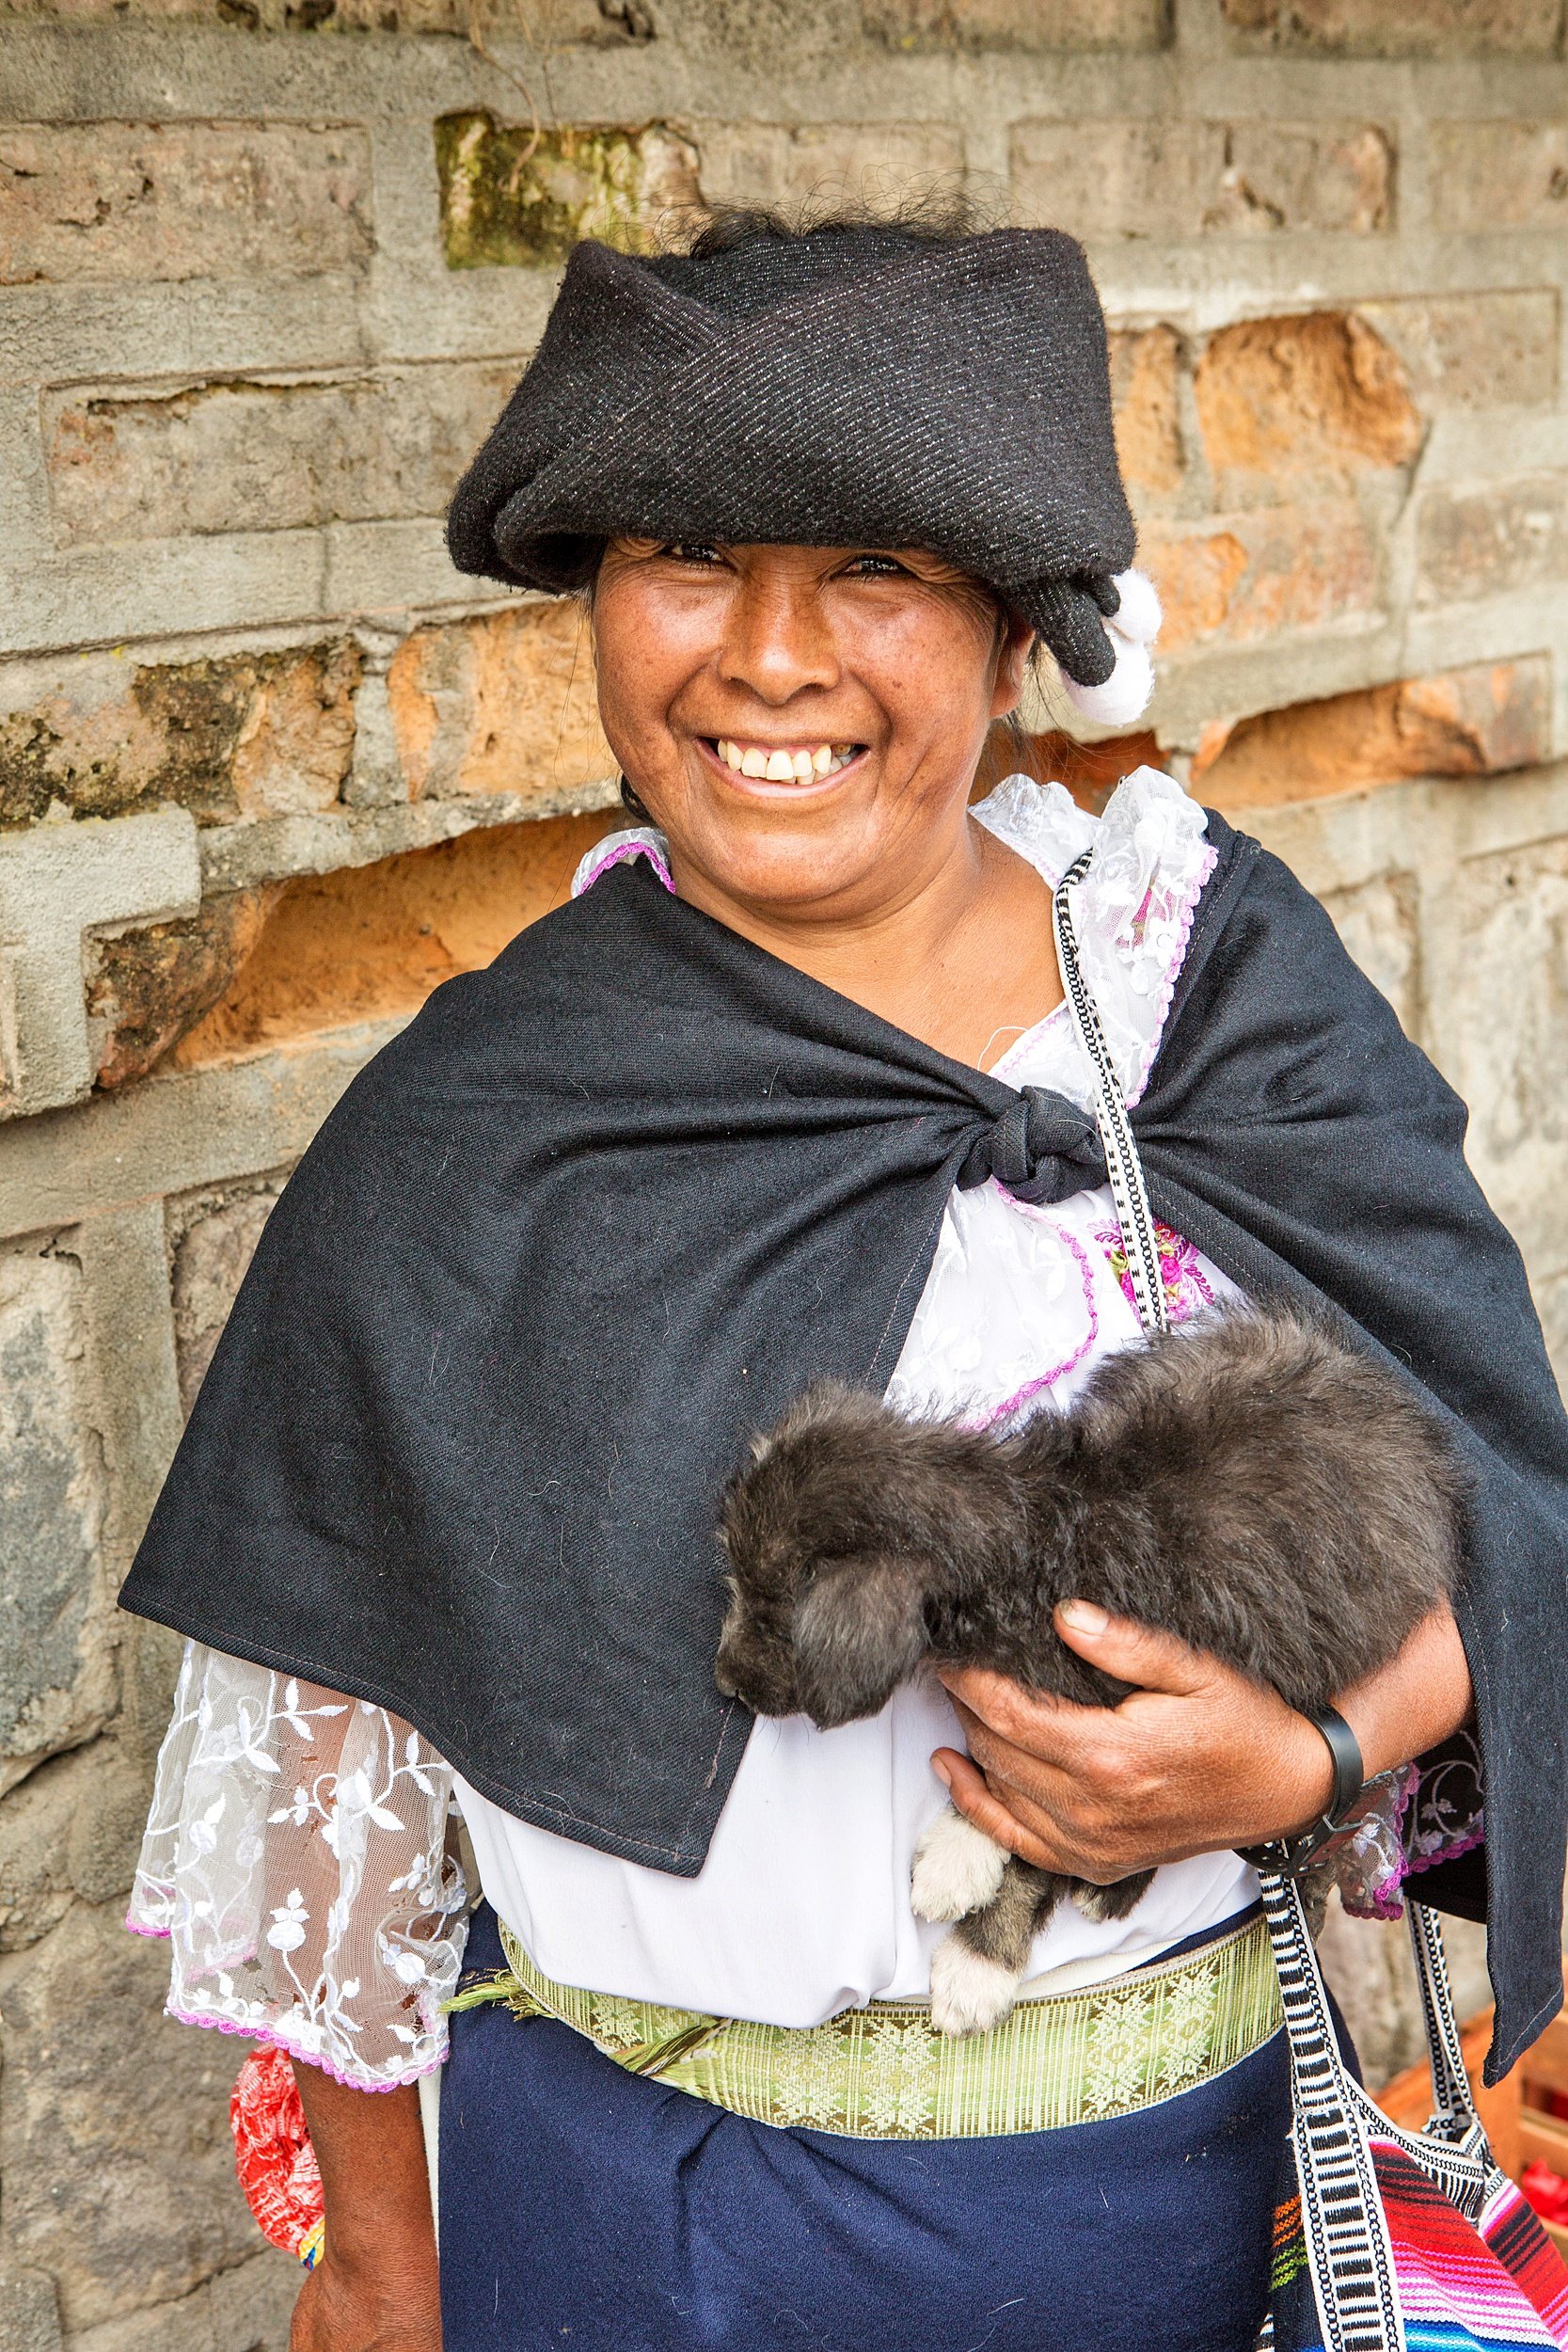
x: 606, y: 1207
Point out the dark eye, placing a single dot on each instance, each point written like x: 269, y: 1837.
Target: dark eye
x: 873, y: 567
x: 691, y: 552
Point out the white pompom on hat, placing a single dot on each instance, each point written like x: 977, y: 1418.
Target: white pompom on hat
x: 1131, y: 630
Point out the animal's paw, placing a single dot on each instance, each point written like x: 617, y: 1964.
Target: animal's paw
x: 1115, y: 1901
x: 958, y: 1868
x: 969, y: 1993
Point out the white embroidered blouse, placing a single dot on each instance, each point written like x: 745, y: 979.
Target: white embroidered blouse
x: 297, y: 1854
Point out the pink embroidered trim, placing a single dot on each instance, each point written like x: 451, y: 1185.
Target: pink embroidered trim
x: 269, y: 2038
x: 618, y: 856
x: 1033, y: 1388
x: 1383, y: 1903
x: 1467, y: 1844
x: 1385, y: 1900
x: 1205, y: 866
x: 272, y: 2038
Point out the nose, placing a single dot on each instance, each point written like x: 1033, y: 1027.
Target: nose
x: 778, y: 639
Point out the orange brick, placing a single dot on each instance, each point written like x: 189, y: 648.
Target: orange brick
x: 1321, y: 395
x: 1260, y: 574
x: 1462, y: 723
x: 370, y: 942
x: 505, y: 703
x: 1145, y: 391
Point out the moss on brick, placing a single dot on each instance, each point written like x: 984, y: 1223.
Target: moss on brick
x: 146, y: 988
x: 249, y: 733
x: 511, y: 198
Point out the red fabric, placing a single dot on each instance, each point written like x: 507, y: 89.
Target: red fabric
x: 273, y: 2156
x: 1547, y: 2192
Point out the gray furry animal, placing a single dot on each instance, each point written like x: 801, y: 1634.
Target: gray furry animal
x: 1246, y: 1482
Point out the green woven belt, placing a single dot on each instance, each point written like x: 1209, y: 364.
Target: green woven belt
x: 884, y: 2073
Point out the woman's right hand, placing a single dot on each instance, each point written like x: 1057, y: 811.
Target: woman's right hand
x: 396, y: 2310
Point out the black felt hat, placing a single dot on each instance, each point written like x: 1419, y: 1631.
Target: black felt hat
x: 845, y: 388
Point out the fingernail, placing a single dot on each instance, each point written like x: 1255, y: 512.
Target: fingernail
x: 942, y: 1771
x: 1085, y: 1616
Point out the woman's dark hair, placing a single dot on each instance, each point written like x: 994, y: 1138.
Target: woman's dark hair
x: 936, y: 214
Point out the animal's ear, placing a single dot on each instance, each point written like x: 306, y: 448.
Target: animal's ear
x: 860, y: 1630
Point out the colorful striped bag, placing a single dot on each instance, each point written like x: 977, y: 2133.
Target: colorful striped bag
x: 1396, y: 2241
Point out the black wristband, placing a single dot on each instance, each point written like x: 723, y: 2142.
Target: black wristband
x: 1289, y: 1856
x: 1349, y: 1774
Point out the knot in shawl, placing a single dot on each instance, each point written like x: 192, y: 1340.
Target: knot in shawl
x: 1042, y: 1148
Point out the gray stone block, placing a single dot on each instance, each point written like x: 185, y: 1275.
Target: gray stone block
x: 57, y: 1675
x: 210, y: 1261
x: 57, y: 882
x: 29, y: 2315
x: 1493, y: 536
x: 243, y: 2310
x: 1369, y: 1965
x: 269, y: 456
x: 1162, y: 178
x: 1377, y: 921
x: 74, y: 1828
x: 173, y: 201
x: 118, y: 2158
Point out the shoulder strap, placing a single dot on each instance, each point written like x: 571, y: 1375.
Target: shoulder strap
x: 1343, y: 2220
x: 1122, y: 1164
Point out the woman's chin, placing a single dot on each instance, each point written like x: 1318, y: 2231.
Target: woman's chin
x: 783, y: 847
x: 786, y: 878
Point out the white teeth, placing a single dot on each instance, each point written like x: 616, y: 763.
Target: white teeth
x: 782, y: 767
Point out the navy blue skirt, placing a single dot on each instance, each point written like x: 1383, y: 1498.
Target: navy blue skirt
x: 590, y: 2210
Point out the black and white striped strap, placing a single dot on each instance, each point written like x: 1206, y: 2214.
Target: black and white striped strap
x: 1116, y: 1129
x: 1347, y: 2237
x: 1348, y: 2253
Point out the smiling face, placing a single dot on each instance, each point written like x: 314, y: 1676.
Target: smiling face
x: 803, y: 723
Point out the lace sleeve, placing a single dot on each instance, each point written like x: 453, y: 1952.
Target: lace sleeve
x: 1409, y: 1820
x: 295, y: 1859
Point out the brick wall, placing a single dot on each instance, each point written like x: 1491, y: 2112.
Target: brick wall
x: 269, y: 770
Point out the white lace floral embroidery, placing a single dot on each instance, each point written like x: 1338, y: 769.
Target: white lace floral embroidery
x: 294, y: 1857
x: 1134, y: 910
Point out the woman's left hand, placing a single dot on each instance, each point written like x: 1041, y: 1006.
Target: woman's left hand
x: 1195, y: 1759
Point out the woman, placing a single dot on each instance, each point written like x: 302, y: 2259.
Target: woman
x: 784, y: 1091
